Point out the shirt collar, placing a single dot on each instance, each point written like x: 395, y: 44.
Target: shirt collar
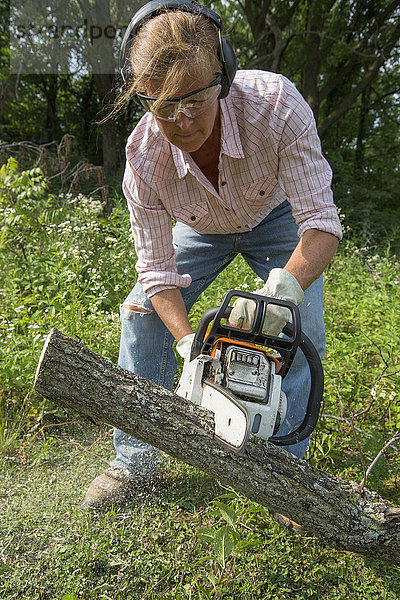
x: 231, y: 144
x: 181, y: 160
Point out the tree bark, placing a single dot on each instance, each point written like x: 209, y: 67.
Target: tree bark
x: 72, y: 376
x: 50, y: 91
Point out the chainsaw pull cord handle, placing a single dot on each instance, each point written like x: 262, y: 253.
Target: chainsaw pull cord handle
x: 316, y: 376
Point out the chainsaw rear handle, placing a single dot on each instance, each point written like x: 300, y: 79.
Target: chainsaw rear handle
x: 314, y: 397
x: 286, y: 347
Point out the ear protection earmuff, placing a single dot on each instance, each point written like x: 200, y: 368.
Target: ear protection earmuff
x: 226, y: 53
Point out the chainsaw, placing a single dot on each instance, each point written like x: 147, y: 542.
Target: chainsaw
x: 237, y: 374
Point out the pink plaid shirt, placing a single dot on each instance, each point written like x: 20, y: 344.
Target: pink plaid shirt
x: 270, y: 152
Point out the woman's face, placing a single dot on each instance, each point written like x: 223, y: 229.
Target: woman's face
x: 189, y: 134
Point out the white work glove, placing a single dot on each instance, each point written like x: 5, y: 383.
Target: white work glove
x: 280, y: 284
x: 184, y: 346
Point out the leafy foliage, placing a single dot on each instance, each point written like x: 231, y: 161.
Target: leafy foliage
x: 61, y: 264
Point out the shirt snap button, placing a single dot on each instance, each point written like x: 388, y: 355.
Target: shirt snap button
x: 261, y: 192
x: 192, y: 218
x: 223, y: 182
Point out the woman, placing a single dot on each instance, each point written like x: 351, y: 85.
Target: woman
x: 235, y: 160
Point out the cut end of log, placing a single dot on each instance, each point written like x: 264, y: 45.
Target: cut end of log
x: 44, y: 350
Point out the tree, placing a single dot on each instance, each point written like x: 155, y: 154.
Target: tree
x: 343, y: 56
x: 333, y: 48
x: 337, y: 512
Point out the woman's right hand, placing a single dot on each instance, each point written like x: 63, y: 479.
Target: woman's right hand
x: 184, y: 346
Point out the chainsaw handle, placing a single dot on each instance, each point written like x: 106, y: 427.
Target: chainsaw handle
x: 315, y: 395
x: 286, y: 347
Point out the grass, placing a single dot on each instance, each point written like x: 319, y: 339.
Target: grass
x: 63, y: 264
x: 52, y: 548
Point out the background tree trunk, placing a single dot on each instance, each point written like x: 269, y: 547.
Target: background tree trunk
x: 50, y: 91
x: 104, y: 84
x: 102, y: 61
x: 335, y: 511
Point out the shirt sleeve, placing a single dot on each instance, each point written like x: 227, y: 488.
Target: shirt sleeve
x: 152, y: 232
x: 303, y: 170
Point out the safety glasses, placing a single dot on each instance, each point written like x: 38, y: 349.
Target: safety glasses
x: 192, y: 104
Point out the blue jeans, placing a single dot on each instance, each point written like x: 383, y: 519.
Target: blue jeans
x: 146, y: 344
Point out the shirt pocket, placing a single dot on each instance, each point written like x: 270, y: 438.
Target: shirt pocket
x: 190, y: 214
x: 257, y: 192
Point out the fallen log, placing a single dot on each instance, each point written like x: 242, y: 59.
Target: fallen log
x: 333, y: 510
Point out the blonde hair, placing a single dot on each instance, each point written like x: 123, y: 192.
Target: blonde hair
x: 171, y: 48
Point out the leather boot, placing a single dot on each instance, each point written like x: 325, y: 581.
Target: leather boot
x: 289, y: 524
x: 111, y: 488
